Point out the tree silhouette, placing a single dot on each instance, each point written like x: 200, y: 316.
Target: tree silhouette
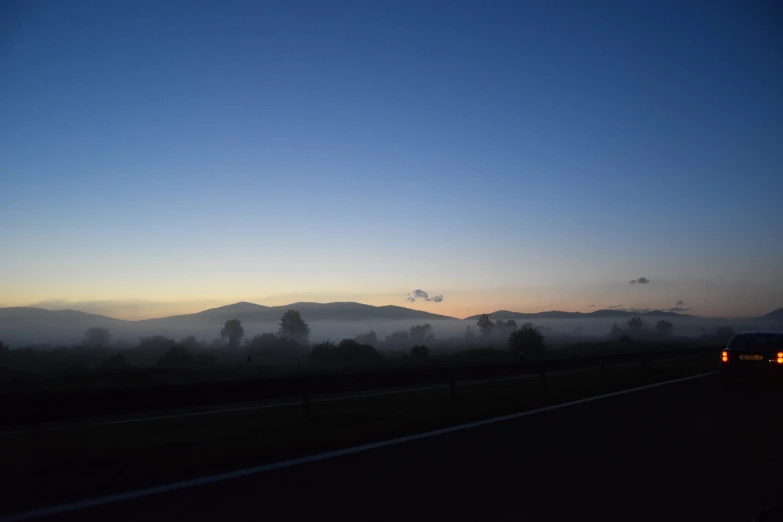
x: 370, y: 338
x: 190, y: 342
x: 116, y: 362
x: 635, y: 323
x: 504, y: 328
x: 293, y: 327
x: 664, y: 327
x: 616, y: 331
x: 232, y: 331
x: 468, y: 334
x: 348, y: 352
x: 322, y: 352
x: 155, y: 343
x: 527, y: 339
x: 421, y: 333
x: 398, y: 338
x: 485, y: 325
x: 270, y: 343
x: 265, y: 340
x: 96, y: 336
x: 420, y: 352
x: 176, y: 358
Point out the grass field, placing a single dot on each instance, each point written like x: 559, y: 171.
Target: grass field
x: 47, y: 467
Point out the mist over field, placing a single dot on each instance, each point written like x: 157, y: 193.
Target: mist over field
x: 330, y: 321
x: 442, y: 329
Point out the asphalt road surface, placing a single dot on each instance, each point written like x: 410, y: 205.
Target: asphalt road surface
x: 684, y: 451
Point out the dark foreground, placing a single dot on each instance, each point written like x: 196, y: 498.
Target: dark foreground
x: 686, y: 451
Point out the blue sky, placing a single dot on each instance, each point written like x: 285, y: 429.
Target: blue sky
x: 522, y: 155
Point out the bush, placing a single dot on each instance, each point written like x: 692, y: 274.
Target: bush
x: 322, y: 352
x: 398, y: 338
x: 420, y: 333
x: 635, y: 323
x: 370, y: 338
x: 205, y: 360
x: 156, y: 342
x: 420, y: 352
x: 664, y: 328
x: 116, y: 362
x: 191, y: 343
x: 269, y: 348
x: 271, y: 343
x: 348, y: 352
x: 176, y: 358
x: 528, y: 340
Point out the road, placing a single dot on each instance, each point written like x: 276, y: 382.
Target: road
x: 683, y: 451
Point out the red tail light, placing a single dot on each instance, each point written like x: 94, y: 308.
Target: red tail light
x: 724, y: 357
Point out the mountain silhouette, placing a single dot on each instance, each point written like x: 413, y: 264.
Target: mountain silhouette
x: 251, y: 312
x: 23, y: 325
x: 557, y: 314
x: 776, y: 314
x: 26, y: 325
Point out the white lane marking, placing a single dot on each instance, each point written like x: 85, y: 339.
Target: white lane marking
x: 220, y: 477
x: 262, y: 406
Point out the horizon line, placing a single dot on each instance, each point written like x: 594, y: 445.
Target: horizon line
x: 624, y: 311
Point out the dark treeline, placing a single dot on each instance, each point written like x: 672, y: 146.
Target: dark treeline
x: 290, y: 347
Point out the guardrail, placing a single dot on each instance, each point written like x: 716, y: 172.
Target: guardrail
x: 48, y: 406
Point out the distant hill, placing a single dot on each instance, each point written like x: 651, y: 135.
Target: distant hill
x: 556, y: 314
x: 250, y: 312
x: 777, y: 314
x: 29, y: 316
x: 25, y: 325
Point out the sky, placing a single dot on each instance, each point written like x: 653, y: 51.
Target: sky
x: 162, y: 156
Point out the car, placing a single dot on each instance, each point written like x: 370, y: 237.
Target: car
x: 753, y: 356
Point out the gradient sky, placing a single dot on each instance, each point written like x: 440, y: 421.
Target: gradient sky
x: 518, y: 155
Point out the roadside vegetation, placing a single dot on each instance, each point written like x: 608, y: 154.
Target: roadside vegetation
x: 98, y: 361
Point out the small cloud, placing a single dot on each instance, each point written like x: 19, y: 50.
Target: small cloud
x: 592, y: 306
x: 680, y: 302
x: 678, y: 309
x: 616, y: 307
x: 417, y: 295
x: 641, y: 281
